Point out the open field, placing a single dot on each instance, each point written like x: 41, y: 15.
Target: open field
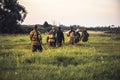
x: 96, y: 32
x: 97, y: 59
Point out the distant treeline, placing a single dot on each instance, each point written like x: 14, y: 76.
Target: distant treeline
x: 115, y: 30
x: 25, y: 29
x: 45, y: 29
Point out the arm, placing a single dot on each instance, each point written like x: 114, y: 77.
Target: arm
x: 68, y: 33
x: 40, y: 38
x: 63, y: 38
x: 47, y: 39
x: 31, y: 35
x: 88, y: 34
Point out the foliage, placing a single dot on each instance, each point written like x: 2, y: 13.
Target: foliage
x: 27, y: 28
x: 46, y: 24
x: 98, y: 59
x: 12, y: 15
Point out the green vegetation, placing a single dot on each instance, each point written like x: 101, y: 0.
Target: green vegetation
x: 98, y: 59
x: 12, y: 14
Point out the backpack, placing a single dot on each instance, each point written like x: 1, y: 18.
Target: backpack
x: 51, y: 38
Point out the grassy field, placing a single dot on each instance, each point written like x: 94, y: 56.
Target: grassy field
x: 98, y: 59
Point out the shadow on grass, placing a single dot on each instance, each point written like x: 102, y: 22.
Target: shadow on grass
x: 83, y: 45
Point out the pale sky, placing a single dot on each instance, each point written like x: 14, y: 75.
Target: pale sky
x: 70, y: 12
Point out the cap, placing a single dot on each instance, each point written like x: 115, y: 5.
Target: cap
x: 53, y: 27
x: 77, y: 30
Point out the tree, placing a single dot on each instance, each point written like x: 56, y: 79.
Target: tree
x: 46, y: 24
x: 12, y: 14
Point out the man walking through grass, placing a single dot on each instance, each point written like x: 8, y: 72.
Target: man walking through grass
x: 85, y: 35
x: 60, y: 37
x: 71, y: 36
x: 51, y: 38
x: 36, y: 39
x: 77, y: 36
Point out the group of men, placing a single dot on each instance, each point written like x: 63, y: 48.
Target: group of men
x: 56, y: 38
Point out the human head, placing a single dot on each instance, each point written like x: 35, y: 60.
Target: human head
x: 77, y: 30
x: 84, y: 30
x: 35, y: 27
x: 71, y: 28
x: 59, y: 28
x: 53, y: 28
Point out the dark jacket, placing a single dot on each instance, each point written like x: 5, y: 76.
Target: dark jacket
x: 85, y: 36
x: 60, y: 36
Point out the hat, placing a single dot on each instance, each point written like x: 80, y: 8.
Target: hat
x: 77, y: 30
x: 53, y: 27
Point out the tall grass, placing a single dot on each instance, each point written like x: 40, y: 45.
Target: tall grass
x: 97, y: 59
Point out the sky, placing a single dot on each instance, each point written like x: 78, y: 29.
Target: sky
x: 73, y: 12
